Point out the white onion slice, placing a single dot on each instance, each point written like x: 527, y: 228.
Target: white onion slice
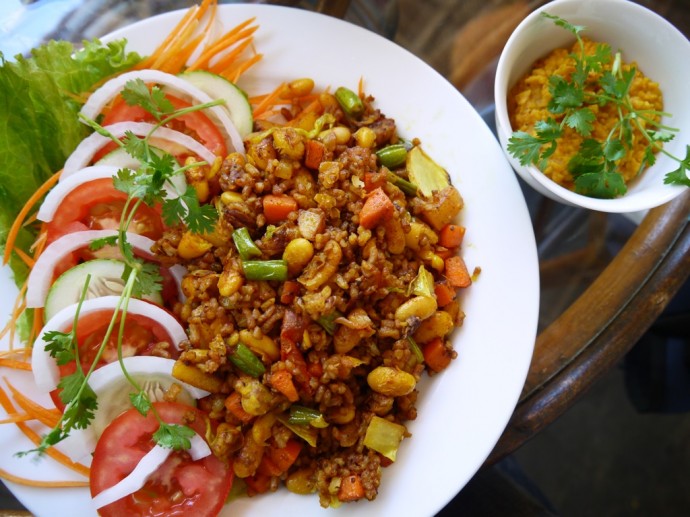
x: 178, y: 271
x: 136, y: 479
x: 41, y: 276
x: 87, y: 148
x: 144, y: 469
x: 58, y: 192
x: 109, y: 90
x: 112, y: 389
x: 45, y: 369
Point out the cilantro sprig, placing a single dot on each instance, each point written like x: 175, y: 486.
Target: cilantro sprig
x: 149, y: 184
x: 598, y: 79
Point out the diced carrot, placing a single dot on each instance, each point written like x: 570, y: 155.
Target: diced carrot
x: 377, y: 207
x: 451, y: 235
x: 267, y: 467
x: 233, y: 403
x: 290, y: 290
x: 281, y: 380
x: 258, y: 484
x: 444, y: 294
x: 284, y: 457
x: 456, y: 272
x: 351, y: 488
x: 436, y: 356
x: 314, y: 153
x: 374, y: 180
x: 278, y: 207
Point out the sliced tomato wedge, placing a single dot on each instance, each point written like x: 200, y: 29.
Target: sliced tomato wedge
x: 142, y: 336
x: 98, y: 205
x: 180, y: 487
x: 195, y: 124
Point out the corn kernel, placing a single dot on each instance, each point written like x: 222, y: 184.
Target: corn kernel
x: 229, y: 282
x: 192, y: 246
x: 231, y: 197
x: 297, y: 254
x: 365, y: 137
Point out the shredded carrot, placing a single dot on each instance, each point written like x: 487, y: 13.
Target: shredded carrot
x: 48, y: 417
x: 268, y: 100
x: 36, y: 439
x: 360, y: 87
x: 17, y: 310
x: 228, y: 59
x: 41, y: 484
x: 19, y: 220
x: 15, y: 365
x: 25, y: 258
x: 231, y: 37
x: 161, y: 49
x: 235, y: 72
x: 163, y: 61
x: 16, y: 417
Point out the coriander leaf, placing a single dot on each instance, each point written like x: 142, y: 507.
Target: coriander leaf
x: 136, y: 93
x: 680, y: 176
x: 60, y: 346
x: 70, y: 386
x: 613, y: 150
x: 649, y: 158
x: 600, y: 57
x: 141, y: 402
x: 575, y: 29
x: 173, y: 436
x: 148, y: 280
x: 80, y: 412
x: 135, y: 146
x: 186, y: 208
x: 604, y: 185
x: 581, y: 120
x: 564, y: 95
x: 101, y: 243
x: 126, y: 181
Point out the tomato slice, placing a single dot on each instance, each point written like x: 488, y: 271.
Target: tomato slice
x: 180, y: 487
x: 142, y: 336
x: 98, y: 205
x: 195, y: 124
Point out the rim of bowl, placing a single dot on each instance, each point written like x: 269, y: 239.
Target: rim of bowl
x: 629, y: 202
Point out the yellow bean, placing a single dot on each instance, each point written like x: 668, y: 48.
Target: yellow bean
x: 418, y: 307
x: 264, y: 345
x: 297, y: 254
x: 192, y: 246
x: 231, y: 197
x: 230, y: 282
x: 297, y: 88
x: 417, y: 231
x: 391, y: 381
x: 438, y: 324
x: 365, y: 137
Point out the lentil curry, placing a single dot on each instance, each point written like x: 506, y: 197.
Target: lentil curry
x: 528, y: 103
x: 326, y: 291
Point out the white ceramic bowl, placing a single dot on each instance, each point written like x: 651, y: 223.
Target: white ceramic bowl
x: 662, y: 53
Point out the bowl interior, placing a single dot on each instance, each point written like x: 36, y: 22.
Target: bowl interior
x: 643, y: 37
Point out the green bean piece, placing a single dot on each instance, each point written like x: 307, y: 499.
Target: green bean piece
x: 246, y: 361
x: 406, y: 186
x: 244, y: 243
x: 327, y: 321
x: 265, y: 269
x: 350, y: 102
x: 392, y: 156
x: 302, y: 415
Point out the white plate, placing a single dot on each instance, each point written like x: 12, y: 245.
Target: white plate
x: 463, y: 411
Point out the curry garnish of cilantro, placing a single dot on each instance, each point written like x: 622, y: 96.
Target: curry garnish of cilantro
x: 145, y: 185
x: 594, y: 166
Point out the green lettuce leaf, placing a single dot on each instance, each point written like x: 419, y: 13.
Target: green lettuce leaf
x: 39, y: 101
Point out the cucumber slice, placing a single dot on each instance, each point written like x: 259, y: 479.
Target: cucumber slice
x: 106, y: 279
x: 236, y: 101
